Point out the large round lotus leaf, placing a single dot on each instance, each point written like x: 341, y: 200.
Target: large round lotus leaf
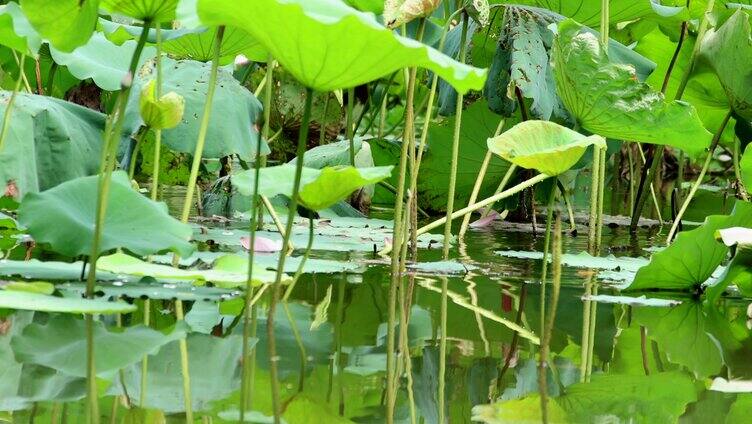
x: 746, y: 168
x: 319, y: 188
x: 154, y: 10
x: 16, y: 31
x: 28, y: 301
x: 544, y: 146
x: 234, y: 112
x: 101, y: 60
x: 64, y: 217
x: 199, y: 45
x: 49, y: 141
x: 328, y: 45
x: 728, y: 51
x: 607, y: 99
x: 67, y: 24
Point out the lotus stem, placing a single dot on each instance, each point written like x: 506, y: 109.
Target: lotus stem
x: 302, y: 263
x: 594, y: 191
x: 203, y: 128
x: 145, y: 360
x: 349, y: 132
x: 299, y: 342
x: 504, y: 181
x: 652, y: 189
x: 737, y: 171
x: 443, y: 344
x: 549, y: 321
x: 184, y: 366
x: 292, y: 208
x: 479, y: 182
x: 244, y: 373
x: 338, y: 342
x: 493, y: 199
x: 700, y: 177
x: 546, y: 248
x: 11, y: 101
x: 413, y: 192
x: 601, y: 191
x: 112, y: 134
x: 158, y: 131
x: 134, y: 153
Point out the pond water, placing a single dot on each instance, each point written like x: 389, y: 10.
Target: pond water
x: 647, y: 363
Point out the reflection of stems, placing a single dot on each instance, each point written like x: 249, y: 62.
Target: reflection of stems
x: 479, y: 182
x: 184, y: 367
x: 515, y: 338
x: 546, y: 248
x: 697, y: 183
x: 549, y: 322
x: 9, y: 106
x: 442, y: 350
x: 292, y: 208
x: 145, y: 360
x: 338, y: 341
x: 644, y: 349
x: 299, y: 342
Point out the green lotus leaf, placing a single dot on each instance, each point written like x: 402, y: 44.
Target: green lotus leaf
x: 162, y: 113
x: 49, y: 141
x: 693, y: 257
x: 319, y: 188
x: 119, y: 32
x: 322, y: 42
x: 13, y: 299
x: 545, y: 146
x: 199, y: 45
x: 588, y: 12
x: 101, y: 60
x: 738, y: 272
x: 16, y: 31
x: 67, y: 24
x: 121, y: 263
x: 60, y: 344
x: 64, y: 217
x: 235, y: 110
x: 745, y: 165
x: 606, y: 98
x: 728, y: 51
x: 39, y: 287
x: 152, y: 10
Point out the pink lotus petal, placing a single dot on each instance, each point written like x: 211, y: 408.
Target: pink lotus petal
x: 241, y: 60
x: 484, y: 222
x: 262, y: 244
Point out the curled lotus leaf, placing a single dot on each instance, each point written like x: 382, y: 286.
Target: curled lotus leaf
x: 398, y: 12
x: 151, y: 10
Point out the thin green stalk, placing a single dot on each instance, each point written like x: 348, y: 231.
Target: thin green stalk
x: 594, y: 191
x: 134, y: 153
x: 601, y: 192
x: 647, y: 179
x: 397, y: 238
x: 546, y: 248
x: 483, y: 203
x: 504, y: 181
x: 350, y: 133
x: 737, y: 171
x: 9, y: 106
x: 442, y: 350
x: 338, y: 342
x: 292, y: 208
x: 157, y: 132
x: 413, y: 193
x: 299, y: 342
x: 112, y: 134
x: 303, y: 261
x: 322, y: 127
x: 405, y: 348
x: 549, y: 322
x: 145, y: 360
x: 203, y: 128
x: 479, y: 181
x: 599, y: 159
x: 244, y: 373
x: 696, y: 185
x: 453, y: 171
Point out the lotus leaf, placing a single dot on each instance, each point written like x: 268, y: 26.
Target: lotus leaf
x: 607, y: 99
x: 152, y: 10
x: 335, y: 35
x: 16, y: 32
x: 588, y: 12
x: 319, y: 188
x: 67, y: 24
x: 24, y: 300
x: 547, y: 147
x: 199, y: 45
x: 64, y: 217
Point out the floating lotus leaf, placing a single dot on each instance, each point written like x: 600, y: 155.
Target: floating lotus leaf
x: 67, y: 24
x: 64, y: 217
x: 153, y: 10
x: 60, y: 344
x: 547, y: 147
x: 607, y: 99
x: 162, y: 113
x: 24, y: 300
x: 728, y: 51
x: 101, y: 60
x: 322, y: 42
x: 319, y: 188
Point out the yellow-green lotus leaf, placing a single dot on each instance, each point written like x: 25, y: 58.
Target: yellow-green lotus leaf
x: 544, y: 146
